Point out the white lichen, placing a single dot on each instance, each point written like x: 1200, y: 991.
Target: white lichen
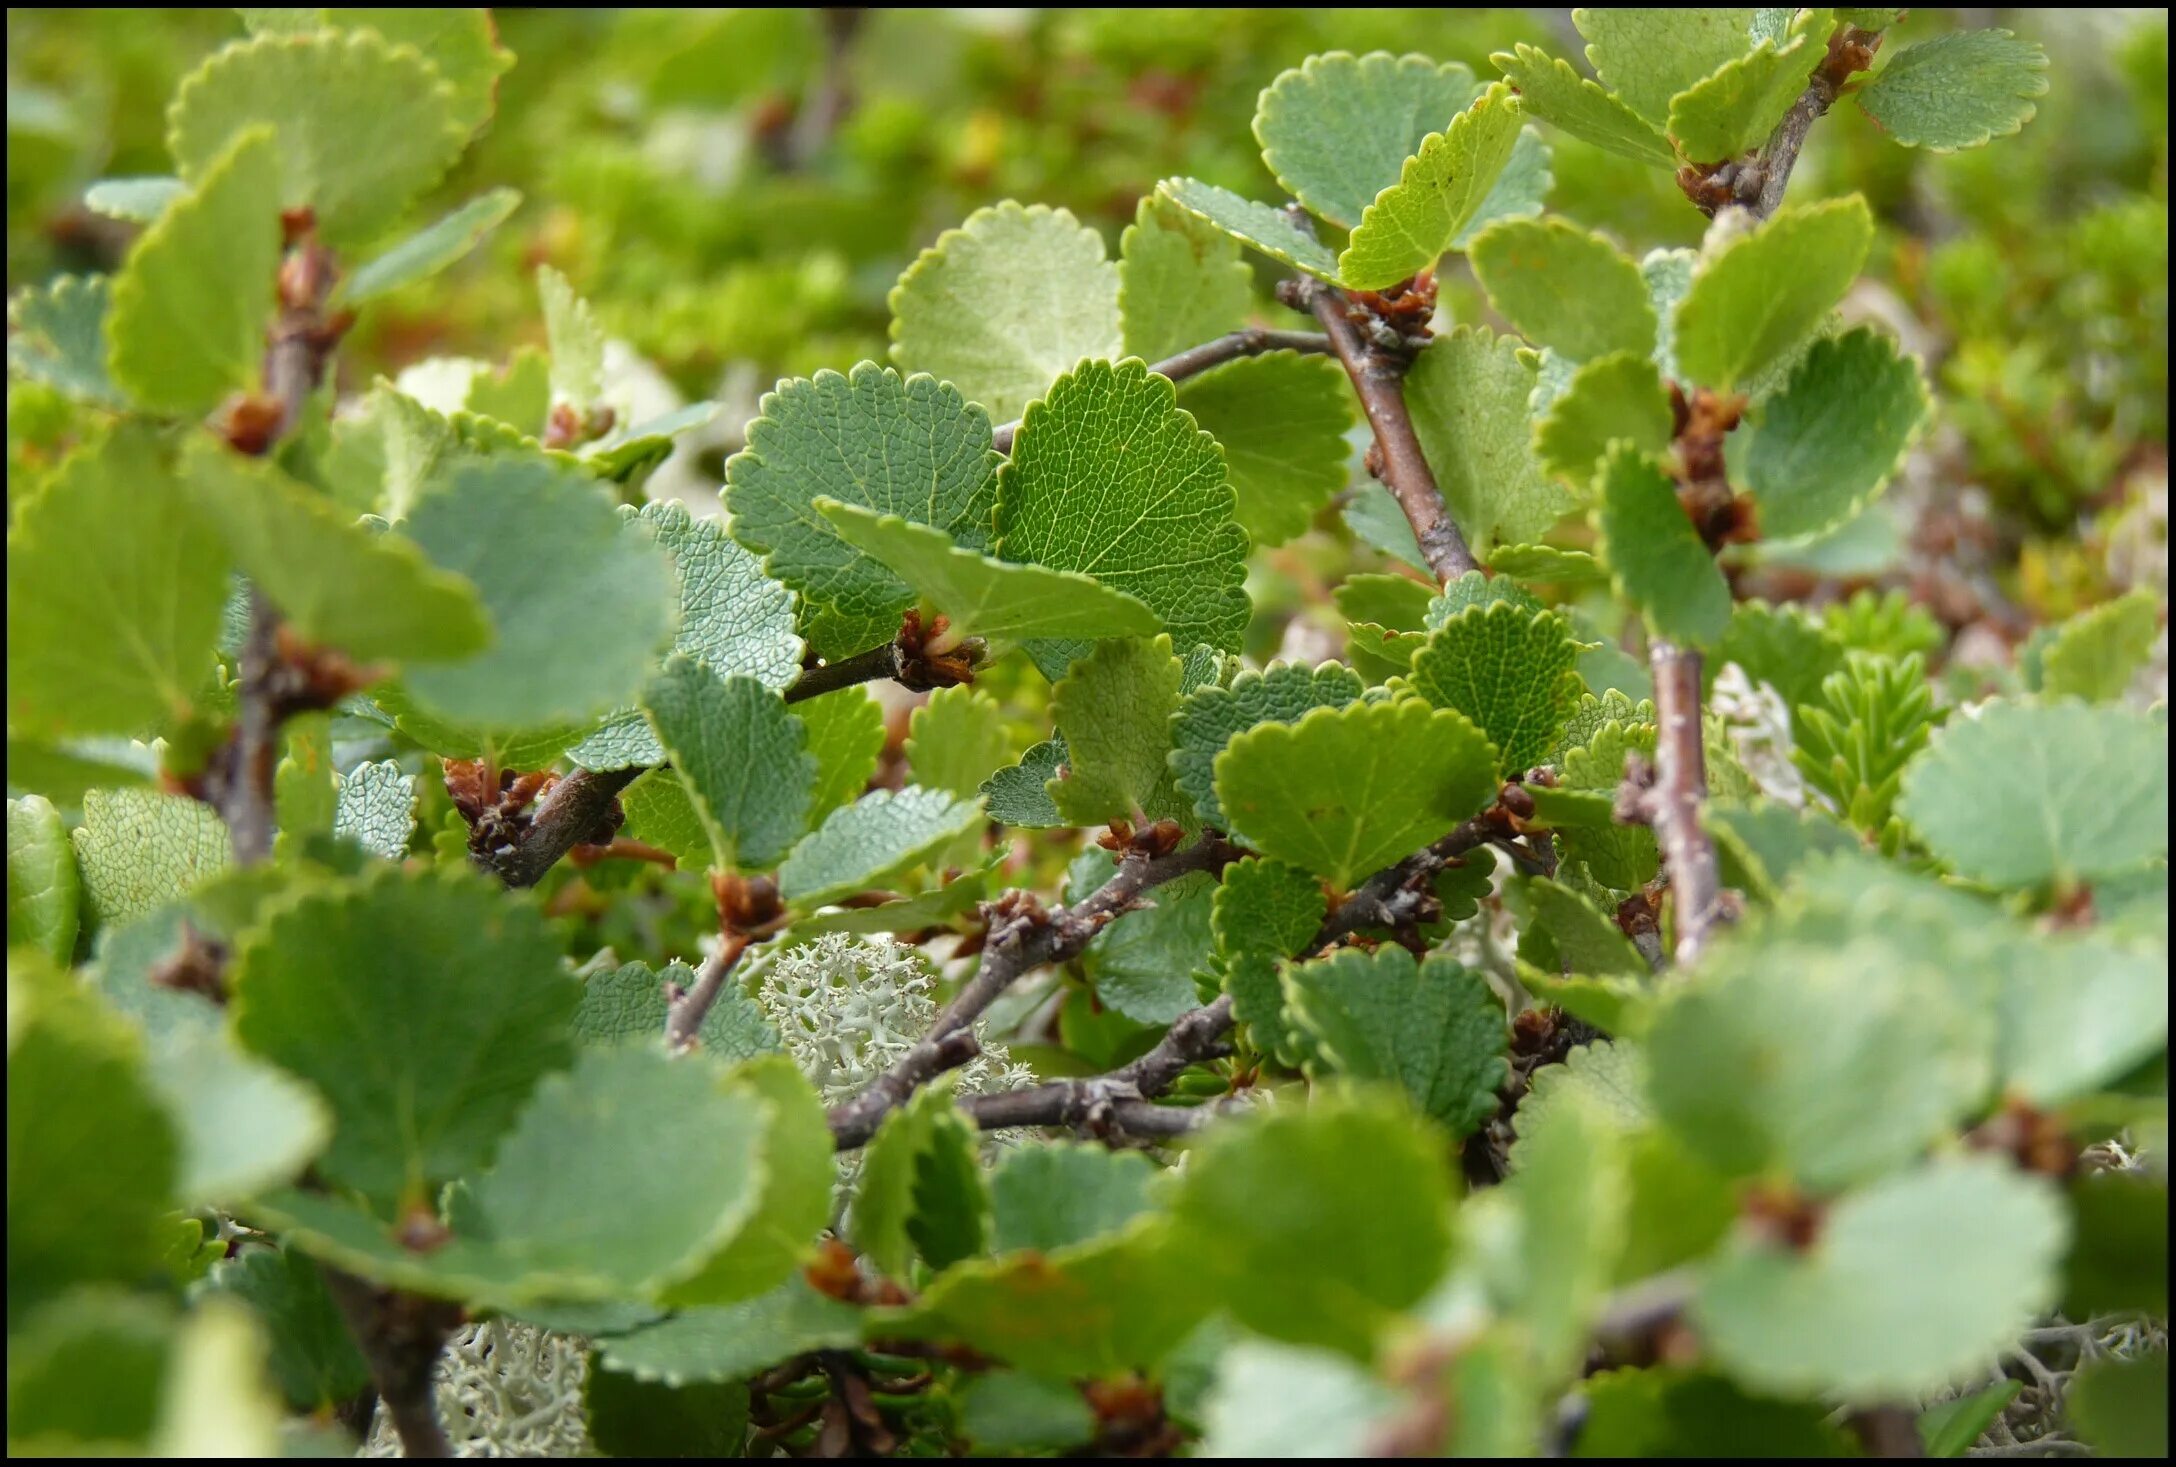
x: 504, y: 1390
x: 1760, y: 731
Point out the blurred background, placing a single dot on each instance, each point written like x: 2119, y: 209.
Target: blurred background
x: 736, y: 191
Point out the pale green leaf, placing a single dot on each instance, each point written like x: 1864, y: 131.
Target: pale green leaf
x: 1001, y: 305
x: 910, y: 446
x: 1020, y: 795
x: 1957, y: 91
x: 1180, y: 281
x: 1564, y: 288
x: 1439, y: 190
x: 2095, y: 654
x: 1647, y: 57
x: 2022, y: 795
x: 1347, y: 791
x: 1609, y: 1078
x: 462, y: 42
x: 356, y: 162
x: 1818, y: 450
x: 138, y: 200
x: 432, y: 248
x: 1568, y: 1197
x: 1519, y: 191
x: 1546, y: 565
x: 571, y: 643
x: 1210, y: 717
x: 1656, y: 557
x: 1769, y: 289
x: 880, y: 835
x: 1113, y: 710
x: 1258, y: 226
x: 577, y: 341
x: 797, y: 1178
x: 1912, y: 1283
x: 1468, y: 393
x: 43, y: 887
x: 242, y: 1125
x: 741, y: 755
x: 1336, y: 130
x: 1734, y: 109
x: 1669, y: 276
x: 1272, y: 1400
x: 1552, y: 89
x: 1432, y: 1028
x: 424, y: 1008
x: 57, y: 335
x: 1109, y: 478
x: 193, y: 300
x: 737, y: 1340
x: 138, y: 849
x: 845, y: 732
x: 376, y: 808
x: 1512, y: 671
x: 1281, y: 420
x: 1612, y: 397
x: 979, y: 595
x: 1056, y: 1195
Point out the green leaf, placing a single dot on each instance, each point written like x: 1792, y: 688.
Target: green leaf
x: 1913, y: 1282
x: 1835, y: 1063
x: 574, y: 1206
x: 1337, y: 129
x: 2109, y: 1005
x: 1316, y: 1226
x: 432, y: 248
x: 1608, y: 1078
x: 43, y: 887
x: 1432, y: 1028
x: 845, y: 732
x: 114, y: 595
x: 980, y: 595
x: 1949, y: 1429
x: 1957, y: 91
x: 242, y: 1126
x: 313, y: 1358
x: 91, y: 1154
x: 956, y: 741
x: 1675, y: 1411
x: 1647, y: 57
x: 1008, y: 1411
x: 1816, y: 452
x: 1546, y: 565
x: 1258, y: 226
x: 342, y: 151
x: 1058, y: 1194
x: 1761, y: 844
x: 138, y: 200
x: 86, y: 1373
x: 1510, y: 670
x: 1475, y: 589
x: 1612, y: 397
x: 571, y: 643
x: 1656, y: 557
x: 1520, y: 190
x: 879, y: 836
x: 423, y: 1007
x: 2120, y: 1407
x: 1733, y: 110
x: 1211, y: 716
x: 1180, y: 281
x: 1394, y: 602
x: 1281, y: 420
x: 136, y: 849
x: 910, y: 446
x: 628, y: 1417
x: 1552, y: 89
x: 920, y: 1191
x: 1766, y: 290
x: 627, y: 1005
x: 335, y: 583
x: 1142, y: 965
x: 1263, y: 913
x: 193, y: 301
x: 798, y: 1174
x: 1409, y: 225
x: 733, y: 619
x: 741, y: 755
x: 1525, y: 264
x: 1020, y: 795
x: 1118, y: 1303
x: 1273, y: 1400
x: 1347, y: 791
x: 1580, y: 937
x: 736, y: 1341
x: 2095, y: 654
x: 661, y: 812
x: 1468, y: 393
x: 1376, y: 520
x: 2022, y: 794
x: 376, y: 808
x: 1568, y: 1199
x: 519, y: 393
x: 1113, y: 710
x: 1109, y: 478
x: 1001, y: 305
x: 57, y: 335
x: 576, y: 340
x: 463, y: 43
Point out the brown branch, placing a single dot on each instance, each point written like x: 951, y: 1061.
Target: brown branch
x: 400, y: 1336
x: 1401, y: 898
x: 685, y: 1018
x: 1378, y: 376
x: 1252, y: 341
x: 571, y: 812
x: 1023, y: 937
x: 1121, y: 1101
x: 1760, y: 186
x: 1672, y: 804
x: 878, y: 664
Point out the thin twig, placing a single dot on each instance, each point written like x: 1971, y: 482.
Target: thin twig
x: 878, y: 664
x: 400, y: 1336
x: 1023, y: 937
x: 685, y: 1020
x: 1402, y: 897
x: 1378, y: 376
x: 568, y: 815
x: 1252, y: 341
x: 1849, y: 50
x: 1672, y: 806
x: 246, y: 798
